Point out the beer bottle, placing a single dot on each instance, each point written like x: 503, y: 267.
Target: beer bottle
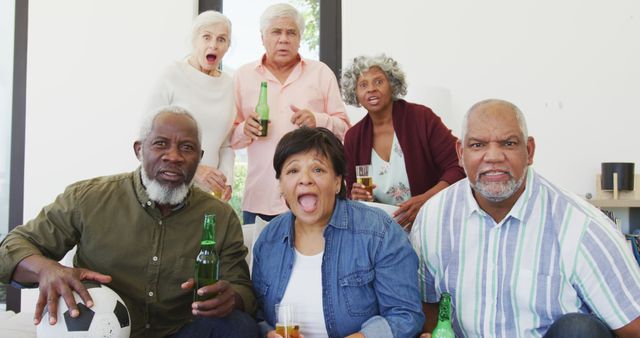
x: 443, y: 328
x: 263, y: 109
x: 207, y: 261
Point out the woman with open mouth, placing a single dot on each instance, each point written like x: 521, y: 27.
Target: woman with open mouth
x: 411, y: 151
x: 198, y: 85
x: 346, y: 269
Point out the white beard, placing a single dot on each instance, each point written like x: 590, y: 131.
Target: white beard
x: 498, y: 192
x: 161, y: 194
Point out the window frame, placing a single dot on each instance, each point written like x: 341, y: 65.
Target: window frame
x: 18, y: 116
x: 330, y: 30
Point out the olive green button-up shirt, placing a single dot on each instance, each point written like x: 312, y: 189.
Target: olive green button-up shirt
x: 120, y: 232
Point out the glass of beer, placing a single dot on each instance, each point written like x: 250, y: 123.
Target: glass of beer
x: 286, y: 323
x: 363, y: 176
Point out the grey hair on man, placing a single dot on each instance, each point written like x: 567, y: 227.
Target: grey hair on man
x: 361, y: 64
x: 281, y: 10
x: 147, y: 122
x: 522, y: 122
x: 208, y: 18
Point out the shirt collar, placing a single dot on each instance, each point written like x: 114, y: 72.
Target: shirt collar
x: 531, y: 184
x: 516, y: 210
x: 472, y: 204
x: 340, y: 217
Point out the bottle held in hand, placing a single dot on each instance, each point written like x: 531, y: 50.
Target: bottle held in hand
x: 207, y: 261
x: 263, y: 109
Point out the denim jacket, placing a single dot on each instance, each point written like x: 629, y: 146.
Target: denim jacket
x: 369, y: 272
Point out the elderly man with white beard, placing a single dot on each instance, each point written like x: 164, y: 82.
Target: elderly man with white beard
x: 520, y: 256
x: 139, y: 233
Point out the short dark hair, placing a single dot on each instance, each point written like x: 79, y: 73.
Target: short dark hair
x: 306, y: 139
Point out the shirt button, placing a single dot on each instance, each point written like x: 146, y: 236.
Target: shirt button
x: 150, y: 293
x: 147, y: 326
x: 160, y: 222
x: 155, y: 258
x: 149, y: 203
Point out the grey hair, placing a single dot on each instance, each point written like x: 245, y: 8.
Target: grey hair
x: 281, y: 10
x: 361, y: 64
x: 208, y: 18
x: 150, y: 118
x: 522, y: 123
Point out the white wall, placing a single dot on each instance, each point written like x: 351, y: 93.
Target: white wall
x: 572, y: 66
x: 90, y: 66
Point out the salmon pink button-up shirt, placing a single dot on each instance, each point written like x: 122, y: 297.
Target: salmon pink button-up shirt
x: 311, y: 85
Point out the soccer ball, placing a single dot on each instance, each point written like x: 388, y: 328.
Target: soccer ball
x: 108, y: 317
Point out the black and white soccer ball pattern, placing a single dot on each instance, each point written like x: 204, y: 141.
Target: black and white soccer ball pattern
x: 108, y: 318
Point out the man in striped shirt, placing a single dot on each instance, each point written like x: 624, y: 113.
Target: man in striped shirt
x: 520, y: 256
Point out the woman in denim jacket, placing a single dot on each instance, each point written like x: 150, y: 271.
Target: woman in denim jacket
x: 348, y: 269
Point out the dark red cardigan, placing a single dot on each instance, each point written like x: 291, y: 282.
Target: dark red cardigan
x: 428, y: 147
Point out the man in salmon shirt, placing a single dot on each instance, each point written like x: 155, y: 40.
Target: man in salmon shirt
x: 301, y: 93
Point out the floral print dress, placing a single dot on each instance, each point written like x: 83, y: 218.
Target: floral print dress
x: 390, y: 178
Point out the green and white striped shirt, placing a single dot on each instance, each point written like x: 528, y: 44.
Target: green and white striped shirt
x: 553, y: 254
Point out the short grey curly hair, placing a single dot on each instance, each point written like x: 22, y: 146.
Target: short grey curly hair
x: 150, y: 117
x: 281, y: 10
x: 361, y: 64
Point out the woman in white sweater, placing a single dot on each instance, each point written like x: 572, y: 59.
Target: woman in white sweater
x: 198, y: 85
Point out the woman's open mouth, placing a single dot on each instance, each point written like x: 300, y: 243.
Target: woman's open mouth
x: 308, y: 202
x: 211, y: 58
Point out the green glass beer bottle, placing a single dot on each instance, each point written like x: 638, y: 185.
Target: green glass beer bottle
x: 443, y: 328
x: 263, y: 109
x: 207, y: 261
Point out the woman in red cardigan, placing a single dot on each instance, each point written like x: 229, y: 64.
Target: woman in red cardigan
x: 412, y: 153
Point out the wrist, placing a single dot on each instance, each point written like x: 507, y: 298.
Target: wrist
x: 30, y: 268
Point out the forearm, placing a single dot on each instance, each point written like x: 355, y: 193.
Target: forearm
x: 338, y: 123
x: 631, y: 330
x: 430, y: 311
x: 396, y: 276
x: 227, y: 157
x: 376, y: 327
x: 453, y: 174
x: 28, y: 270
x: 238, y: 139
x: 14, y: 248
